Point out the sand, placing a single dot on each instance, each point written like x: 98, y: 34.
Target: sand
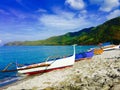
x: 102, y: 72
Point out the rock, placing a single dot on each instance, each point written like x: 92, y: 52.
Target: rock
x: 105, y: 87
x: 48, y: 88
x: 35, y: 88
x: 116, y: 87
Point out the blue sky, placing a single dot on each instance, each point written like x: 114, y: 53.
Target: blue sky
x: 22, y: 20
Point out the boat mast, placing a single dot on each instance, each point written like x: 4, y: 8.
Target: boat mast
x: 74, y: 49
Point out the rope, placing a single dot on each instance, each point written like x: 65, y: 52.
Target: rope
x: 7, y: 67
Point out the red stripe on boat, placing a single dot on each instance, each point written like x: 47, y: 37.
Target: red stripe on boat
x: 47, y: 70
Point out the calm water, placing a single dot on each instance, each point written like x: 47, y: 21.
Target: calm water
x: 29, y: 55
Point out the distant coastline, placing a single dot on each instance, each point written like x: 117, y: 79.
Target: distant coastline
x: 106, y: 32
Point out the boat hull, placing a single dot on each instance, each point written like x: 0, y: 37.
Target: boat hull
x: 53, y: 65
x: 84, y: 55
x: 111, y: 47
x: 47, y: 66
x: 98, y: 51
x: 47, y: 70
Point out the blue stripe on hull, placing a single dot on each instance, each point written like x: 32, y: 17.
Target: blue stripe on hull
x: 84, y: 55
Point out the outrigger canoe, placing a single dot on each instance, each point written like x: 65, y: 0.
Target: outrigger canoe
x: 48, y: 65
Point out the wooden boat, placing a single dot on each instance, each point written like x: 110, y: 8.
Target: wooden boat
x: 84, y: 55
x: 98, y: 51
x: 111, y: 47
x: 48, y: 65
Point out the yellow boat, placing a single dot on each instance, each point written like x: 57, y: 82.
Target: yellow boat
x: 98, y: 51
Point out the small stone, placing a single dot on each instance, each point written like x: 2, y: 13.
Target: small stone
x: 35, y: 88
x: 48, y: 88
x: 116, y: 87
x: 105, y: 87
x: 47, y: 82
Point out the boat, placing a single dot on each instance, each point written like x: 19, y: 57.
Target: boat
x: 48, y: 65
x: 84, y: 55
x: 111, y: 47
x: 98, y: 51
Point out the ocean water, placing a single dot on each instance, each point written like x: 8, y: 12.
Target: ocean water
x: 30, y: 55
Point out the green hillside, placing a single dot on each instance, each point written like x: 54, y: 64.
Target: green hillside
x: 107, y: 32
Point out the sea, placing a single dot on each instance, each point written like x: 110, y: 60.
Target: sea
x: 26, y: 55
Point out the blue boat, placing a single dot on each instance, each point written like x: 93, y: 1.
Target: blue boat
x: 84, y: 55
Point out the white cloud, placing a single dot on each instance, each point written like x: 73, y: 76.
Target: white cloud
x: 41, y: 10
x: 0, y: 41
x: 63, y: 22
x: 109, y: 5
x: 106, y: 5
x: 17, y: 14
x: 22, y: 36
x: 113, y: 14
x: 3, y: 12
x: 75, y: 4
x: 83, y: 11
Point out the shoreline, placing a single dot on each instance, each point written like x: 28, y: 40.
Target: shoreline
x: 103, y: 69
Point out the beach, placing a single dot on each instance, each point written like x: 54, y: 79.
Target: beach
x: 102, y: 72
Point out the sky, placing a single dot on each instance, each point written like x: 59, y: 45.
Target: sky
x: 22, y: 20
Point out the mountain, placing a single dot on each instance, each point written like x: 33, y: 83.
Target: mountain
x: 106, y: 32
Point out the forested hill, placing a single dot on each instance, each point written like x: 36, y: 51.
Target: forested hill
x: 106, y: 32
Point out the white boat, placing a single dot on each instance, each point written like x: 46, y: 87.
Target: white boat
x: 48, y: 65
x: 111, y: 47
